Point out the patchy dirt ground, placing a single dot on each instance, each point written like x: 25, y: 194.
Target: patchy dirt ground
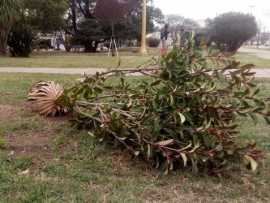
x: 46, y: 159
x: 7, y: 112
x: 36, y: 143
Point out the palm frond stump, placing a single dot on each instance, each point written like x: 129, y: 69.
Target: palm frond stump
x: 43, y: 97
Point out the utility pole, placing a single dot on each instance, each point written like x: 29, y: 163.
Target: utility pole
x: 251, y: 7
x: 143, y: 34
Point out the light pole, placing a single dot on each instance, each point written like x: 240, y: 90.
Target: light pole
x: 143, y: 34
x: 251, y: 8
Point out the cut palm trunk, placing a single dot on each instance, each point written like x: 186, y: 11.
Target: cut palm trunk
x: 43, y: 98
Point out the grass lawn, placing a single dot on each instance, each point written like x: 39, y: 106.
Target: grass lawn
x: 76, y: 60
x: 128, y: 59
x: 246, y: 58
x: 45, y: 160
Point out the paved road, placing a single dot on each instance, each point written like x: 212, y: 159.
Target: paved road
x: 68, y: 71
x: 261, y: 73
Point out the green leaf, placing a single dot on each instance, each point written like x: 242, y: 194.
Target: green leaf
x: 91, y: 134
x: 156, y: 83
x: 251, y: 162
x: 165, y: 142
x: 267, y: 119
x: 98, y: 89
x: 184, y: 157
x: 182, y: 117
x: 137, y: 153
x: 253, y: 117
x: 172, y: 100
x: 149, y: 151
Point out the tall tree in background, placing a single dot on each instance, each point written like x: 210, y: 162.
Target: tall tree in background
x: 83, y: 25
x: 180, y: 27
x: 230, y: 30
x: 46, y: 16
x: 179, y: 23
x: 113, y: 11
x: 178, y: 20
x: 89, y: 31
x: 118, y: 11
x: 9, y: 12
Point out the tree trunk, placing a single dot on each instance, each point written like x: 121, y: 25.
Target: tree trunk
x: 234, y: 46
x: 2, y: 50
x: 91, y: 46
x: 3, y: 42
x: 74, y: 15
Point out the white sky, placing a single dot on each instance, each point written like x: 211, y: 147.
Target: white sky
x: 202, y: 9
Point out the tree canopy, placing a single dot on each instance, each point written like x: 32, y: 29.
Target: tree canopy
x: 90, y: 30
x: 230, y: 30
x: 84, y: 20
x: 178, y: 20
x: 118, y: 9
x: 46, y: 15
x: 9, y: 12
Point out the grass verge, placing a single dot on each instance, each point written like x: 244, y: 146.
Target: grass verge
x: 75, y: 60
x: 45, y: 160
x: 246, y: 58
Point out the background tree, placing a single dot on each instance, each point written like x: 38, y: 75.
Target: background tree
x: 87, y: 30
x: 230, y: 30
x: 9, y: 12
x: 178, y: 20
x: 130, y: 28
x: 83, y: 25
x: 118, y: 11
x: 264, y: 38
x: 20, y: 40
x: 46, y: 16
x: 180, y: 27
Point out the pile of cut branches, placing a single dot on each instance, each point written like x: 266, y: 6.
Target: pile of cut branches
x: 182, y: 115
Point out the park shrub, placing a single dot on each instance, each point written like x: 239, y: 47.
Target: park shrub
x: 153, y: 42
x: 229, y: 31
x: 20, y: 40
x: 184, y: 115
x: 42, y: 44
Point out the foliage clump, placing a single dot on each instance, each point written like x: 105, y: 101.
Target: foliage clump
x: 8, y: 15
x: 182, y: 115
x: 20, y: 40
x: 153, y: 42
x: 229, y: 31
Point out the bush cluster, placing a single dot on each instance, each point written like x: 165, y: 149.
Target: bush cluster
x: 20, y: 40
x: 183, y: 115
x: 42, y: 44
x: 153, y: 42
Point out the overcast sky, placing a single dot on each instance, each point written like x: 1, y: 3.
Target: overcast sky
x: 202, y: 9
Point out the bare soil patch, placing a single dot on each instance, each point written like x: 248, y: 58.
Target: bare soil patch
x: 35, y: 145
x: 7, y: 112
